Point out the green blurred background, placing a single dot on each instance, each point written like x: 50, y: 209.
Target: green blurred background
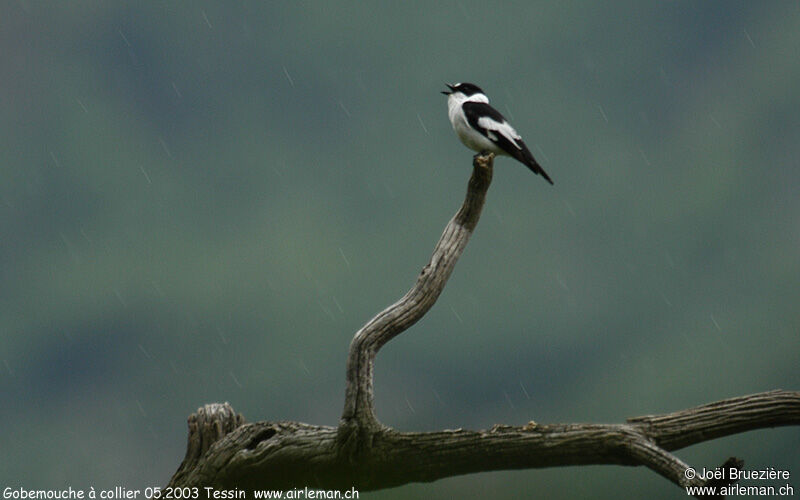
x: 203, y: 201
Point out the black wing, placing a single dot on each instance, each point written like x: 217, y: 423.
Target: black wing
x: 493, y: 125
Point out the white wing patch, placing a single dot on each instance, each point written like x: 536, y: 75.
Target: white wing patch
x: 504, y: 129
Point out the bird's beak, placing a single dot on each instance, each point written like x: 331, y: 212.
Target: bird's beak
x: 451, y: 89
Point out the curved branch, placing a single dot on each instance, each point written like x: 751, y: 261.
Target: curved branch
x: 283, y: 455
x: 224, y: 452
x: 359, y: 411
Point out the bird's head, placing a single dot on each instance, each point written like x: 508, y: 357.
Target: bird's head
x: 467, y: 89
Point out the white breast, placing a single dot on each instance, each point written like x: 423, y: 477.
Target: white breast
x: 470, y: 137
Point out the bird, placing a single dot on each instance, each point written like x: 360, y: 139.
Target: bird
x: 483, y: 129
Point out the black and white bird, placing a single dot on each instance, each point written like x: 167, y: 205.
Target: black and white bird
x: 483, y: 129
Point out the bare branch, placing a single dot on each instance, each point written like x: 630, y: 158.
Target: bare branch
x: 224, y: 452
x: 287, y: 454
x: 723, y: 418
x: 359, y: 409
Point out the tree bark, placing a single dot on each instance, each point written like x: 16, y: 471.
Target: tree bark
x: 358, y: 420
x: 284, y: 455
x: 224, y: 452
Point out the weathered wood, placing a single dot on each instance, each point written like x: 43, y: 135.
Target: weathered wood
x: 284, y: 455
x: 224, y: 452
x: 359, y: 412
x: 208, y: 425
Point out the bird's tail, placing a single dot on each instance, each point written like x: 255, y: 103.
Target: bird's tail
x: 536, y: 168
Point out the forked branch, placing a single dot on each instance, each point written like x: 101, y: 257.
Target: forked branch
x: 225, y: 453
x: 284, y: 455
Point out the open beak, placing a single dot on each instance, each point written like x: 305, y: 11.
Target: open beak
x: 451, y: 89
